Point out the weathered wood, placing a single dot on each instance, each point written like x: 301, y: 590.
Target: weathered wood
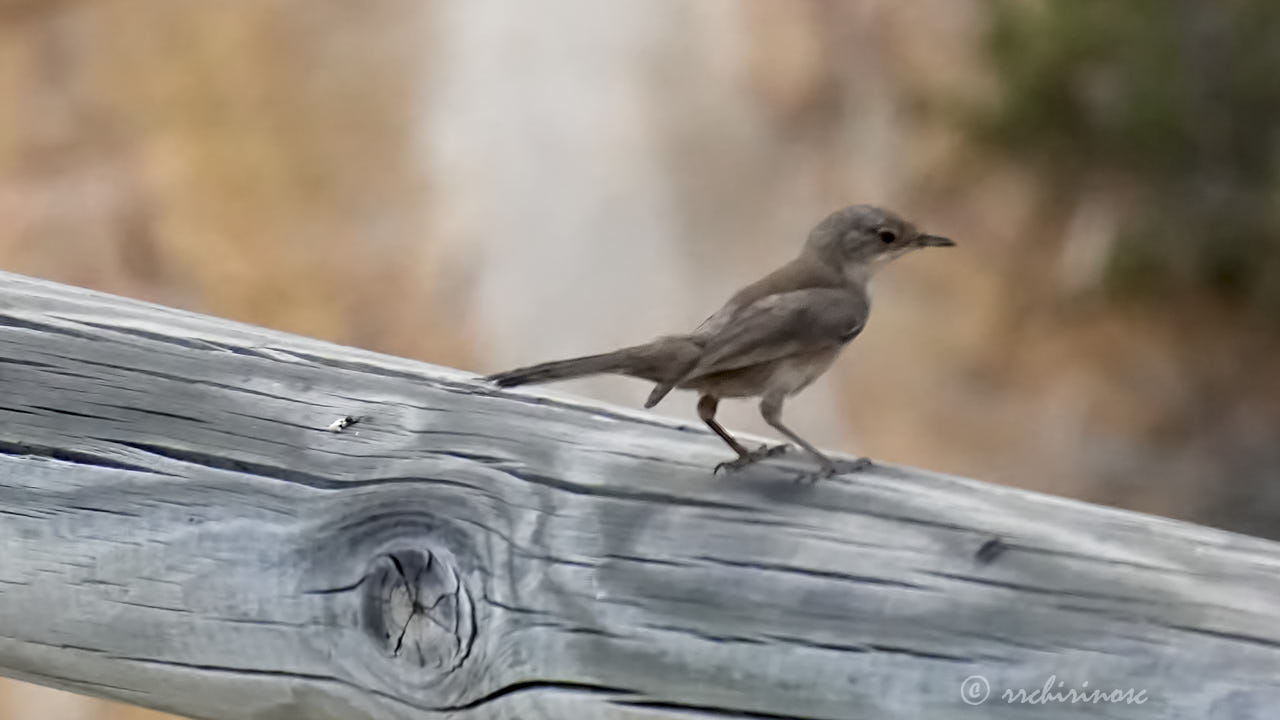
x: 180, y: 530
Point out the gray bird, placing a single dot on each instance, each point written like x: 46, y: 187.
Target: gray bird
x: 772, y: 338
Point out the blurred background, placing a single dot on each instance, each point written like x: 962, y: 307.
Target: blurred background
x: 483, y: 184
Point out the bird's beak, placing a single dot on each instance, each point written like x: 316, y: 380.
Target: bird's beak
x: 935, y: 241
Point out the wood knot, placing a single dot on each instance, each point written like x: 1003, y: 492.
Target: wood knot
x: 419, y: 611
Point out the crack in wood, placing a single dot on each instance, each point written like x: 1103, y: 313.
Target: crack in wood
x: 1050, y: 591
x: 538, y: 685
x: 71, y: 413
x: 812, y: 572
x: 78, y: 457
x: 184, y: 342
x: 716, y: 712
x: 246, y: 467
x: 27, y: 363
x: 22, y: 324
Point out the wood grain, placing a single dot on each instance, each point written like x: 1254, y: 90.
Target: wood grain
x: 180, y: 530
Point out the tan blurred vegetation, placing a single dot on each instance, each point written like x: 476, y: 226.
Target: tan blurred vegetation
x: 478, y: 184
x: 247, y: 159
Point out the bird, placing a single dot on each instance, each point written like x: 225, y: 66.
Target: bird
x: 772, y: 338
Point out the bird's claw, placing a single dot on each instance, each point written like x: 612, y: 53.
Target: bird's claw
x: 767, y: 451
x: 830, y: 469
x: 862, y: 464
x: 760, y: 453
x: 810, y: 478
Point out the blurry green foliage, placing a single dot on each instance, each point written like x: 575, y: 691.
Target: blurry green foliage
x: 1180, y: 97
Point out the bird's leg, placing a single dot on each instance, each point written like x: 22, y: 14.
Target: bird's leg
x: 771, y: 410
x: 707, y: 411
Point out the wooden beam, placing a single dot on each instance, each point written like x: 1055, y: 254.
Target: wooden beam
x: 184, y: 527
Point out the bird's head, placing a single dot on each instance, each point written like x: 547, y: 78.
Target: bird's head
x: 860, y: 239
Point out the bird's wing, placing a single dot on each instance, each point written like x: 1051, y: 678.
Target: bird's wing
x: 783, y: 325
x: 716, y: 321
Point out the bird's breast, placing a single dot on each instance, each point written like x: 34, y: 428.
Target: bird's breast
x: 797, y: 372
x: 787, y: 375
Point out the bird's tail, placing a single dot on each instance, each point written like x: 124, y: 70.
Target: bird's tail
x: 662, y: 361
x: 619, y: 361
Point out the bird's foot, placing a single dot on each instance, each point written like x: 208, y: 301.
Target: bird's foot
x: 829, y: 469
x: 862, y: 464
x: 760, y: 453
x: 809, y: 478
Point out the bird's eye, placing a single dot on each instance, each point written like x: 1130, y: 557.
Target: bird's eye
x: 888, y: 236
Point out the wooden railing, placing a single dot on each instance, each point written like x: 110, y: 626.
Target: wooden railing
x: 188, y: 523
